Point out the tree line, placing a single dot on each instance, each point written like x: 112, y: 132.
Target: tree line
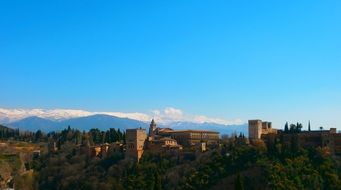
x: 94, y: 136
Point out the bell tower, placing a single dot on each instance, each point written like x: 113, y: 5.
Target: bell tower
x: 152, y: 128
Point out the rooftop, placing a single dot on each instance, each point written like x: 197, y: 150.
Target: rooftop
x: 193, y: 131
x: 137, y: 129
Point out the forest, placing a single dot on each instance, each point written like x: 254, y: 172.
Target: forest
x: 235, y: 164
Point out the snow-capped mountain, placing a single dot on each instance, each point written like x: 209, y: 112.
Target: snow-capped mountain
x: 167, y: 116
x: 58, y: 119
x: 105, y: 122
x: 102, y: 122
x: 12, y: 115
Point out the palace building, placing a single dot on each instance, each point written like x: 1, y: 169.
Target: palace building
x: 193, y: 137
x: 166, y: 140
x: 184, y: 137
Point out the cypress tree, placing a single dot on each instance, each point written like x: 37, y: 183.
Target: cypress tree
x: 286, y: 127
x: 309, y: 126
x: 157, y: 184
x: 239, y: 184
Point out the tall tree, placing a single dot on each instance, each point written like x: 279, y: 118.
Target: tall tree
x: 286, y: 127
x: 38, y: 136
x: 292, y: 128
x: 239, y: 184
x: 157, y: 184
x: 309, y: 126
x: 299, y: 127
x: 95, y: 135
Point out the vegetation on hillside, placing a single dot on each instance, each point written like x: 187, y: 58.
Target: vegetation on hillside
x: 233, y: 165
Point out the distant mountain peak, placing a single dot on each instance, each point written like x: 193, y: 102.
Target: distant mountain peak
x: 11, y: 115
x: 104, y: 122
x: 57, y: 119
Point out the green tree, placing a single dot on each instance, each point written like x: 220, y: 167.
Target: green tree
x: 309, y: 126
x: 239, y: 183
x: 38, y: 136
x: 157, y: 184
x: 286, y: 127
x: 299, y: 127
x: 96, y: 135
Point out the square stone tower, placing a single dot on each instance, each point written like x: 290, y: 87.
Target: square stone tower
x: 135, y: 139
x: 255, y: 129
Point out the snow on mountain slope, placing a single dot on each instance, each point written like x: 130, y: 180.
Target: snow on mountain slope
x: 11, y: 115
x: 167, y: 116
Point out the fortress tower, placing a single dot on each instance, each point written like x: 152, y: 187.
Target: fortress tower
x: 257, y: 128
x: 135, y: 139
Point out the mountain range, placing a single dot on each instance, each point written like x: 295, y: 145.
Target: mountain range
x: 104, y: 122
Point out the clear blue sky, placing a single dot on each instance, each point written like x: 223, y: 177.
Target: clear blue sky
x: 274, y: 60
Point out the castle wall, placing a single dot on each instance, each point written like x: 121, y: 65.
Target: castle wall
x: 310, y: 139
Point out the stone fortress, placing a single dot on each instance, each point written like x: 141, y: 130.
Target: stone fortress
x: 166, y: 140
x: 158, y: 140
x: 257, y: 128
x: 263, y: 131
x: 170, y: 141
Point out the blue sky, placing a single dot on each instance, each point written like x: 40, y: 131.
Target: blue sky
x: 273, y: 60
